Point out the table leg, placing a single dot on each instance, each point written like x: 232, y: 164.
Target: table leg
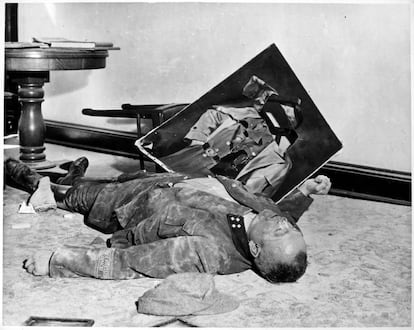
x: 31, y: 124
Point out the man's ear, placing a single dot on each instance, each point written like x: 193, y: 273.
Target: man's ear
x: 254, y: 248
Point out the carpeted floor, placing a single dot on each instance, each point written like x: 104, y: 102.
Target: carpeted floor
x: 359, y: 272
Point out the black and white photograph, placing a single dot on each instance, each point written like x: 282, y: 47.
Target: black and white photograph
x: 223, y: 164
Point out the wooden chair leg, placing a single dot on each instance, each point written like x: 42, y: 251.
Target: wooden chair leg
x: 139, y: 133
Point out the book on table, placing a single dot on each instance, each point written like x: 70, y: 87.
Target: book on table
x: 67, y: 43
x: 20, y: 45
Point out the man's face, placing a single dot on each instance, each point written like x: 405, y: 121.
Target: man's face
x: 277, y: 236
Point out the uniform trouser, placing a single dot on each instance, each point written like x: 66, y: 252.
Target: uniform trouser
x: 82, y: 195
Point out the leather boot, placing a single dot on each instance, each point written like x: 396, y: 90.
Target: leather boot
x: 22, y: 174
x: 76, y: 170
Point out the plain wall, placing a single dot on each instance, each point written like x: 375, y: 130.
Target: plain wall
x: 353, y: 59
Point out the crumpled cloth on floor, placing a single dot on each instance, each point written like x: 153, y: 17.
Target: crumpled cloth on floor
x: 186, y: 294
x: 42, y: 199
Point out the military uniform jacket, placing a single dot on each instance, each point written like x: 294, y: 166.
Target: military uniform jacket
x: 166, y: 230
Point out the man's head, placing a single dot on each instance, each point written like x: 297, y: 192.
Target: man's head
x: 278, y: 247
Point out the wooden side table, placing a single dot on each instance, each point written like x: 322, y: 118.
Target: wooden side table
x: 29, y: 68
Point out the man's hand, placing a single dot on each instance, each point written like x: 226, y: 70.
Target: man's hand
x: 38, y: 263
x: 318, y: 186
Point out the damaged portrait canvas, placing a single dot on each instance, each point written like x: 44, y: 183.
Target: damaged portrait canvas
x: 258, y: 126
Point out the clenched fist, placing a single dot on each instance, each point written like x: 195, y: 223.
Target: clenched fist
x: 318, y: 186
x: 38, y: 263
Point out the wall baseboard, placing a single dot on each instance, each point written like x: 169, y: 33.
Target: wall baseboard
x: 92, y: 138
x: 353, y: 181
x: 370, y: 183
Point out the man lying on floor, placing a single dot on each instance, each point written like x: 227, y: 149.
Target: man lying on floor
x: 165, y: 223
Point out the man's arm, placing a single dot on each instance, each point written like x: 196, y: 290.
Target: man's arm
x: 295, y: 203
x: 207, y: 123
x: 299, y: 200
x: 157, y: 259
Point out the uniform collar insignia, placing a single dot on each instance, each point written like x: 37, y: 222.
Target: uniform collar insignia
x: 239, y: 235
